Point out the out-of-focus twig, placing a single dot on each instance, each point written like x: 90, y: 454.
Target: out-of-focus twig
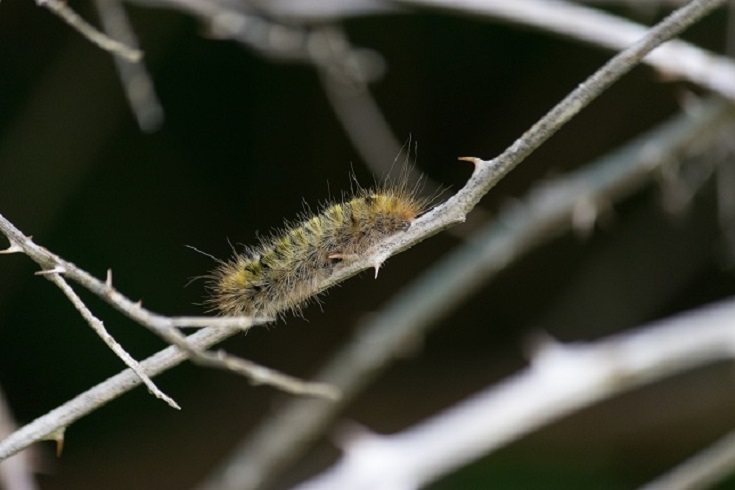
x: 167, y: 327
x: 249, y: 466
x: 15, y: 472
x: 99, y: 328
x: 545, y: 212
x: 560, y: 380
x: 485, y: 176
x: 48, y: 426
x: 675, y: 59
x: 702, y: 470
x: 65, y: 12
x: 135, y: 79
x: 358, y: 112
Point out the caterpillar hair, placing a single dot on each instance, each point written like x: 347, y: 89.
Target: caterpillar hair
x: 286, y: 270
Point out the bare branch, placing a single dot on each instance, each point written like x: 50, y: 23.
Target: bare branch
x: 560, y: 380
x: 486, y: 175
x: 166, y: 327
x: 293, y: 11
x: 546, y: 211
x: 134, y: 77
x: 65, y: 12
x: 15, y: 472
x: 108, y: 339
x: 675, y: 59
x: 61, y: 417
x: 357, y: 110
x: 701, y: 470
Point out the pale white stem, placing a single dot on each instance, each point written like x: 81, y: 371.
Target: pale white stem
x: 16, y: 472
x: 108, y: 339
x: 675, y: 59
x: 486, y: 175
x: 135, y: 79
x: 67, y: 14
x: 702, y: 470
x: 547, y: 210
x: 560, y: 380
x: 58, y: 419
x: 166, y: 327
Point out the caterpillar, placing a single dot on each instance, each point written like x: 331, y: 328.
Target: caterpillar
x: 284, y: 271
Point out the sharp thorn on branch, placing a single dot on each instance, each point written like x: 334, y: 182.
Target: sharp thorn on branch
x: 12, y: 249
x: 55, y: 270
x: 473, y: 160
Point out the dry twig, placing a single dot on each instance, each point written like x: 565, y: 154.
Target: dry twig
x: 547, y: 210
x: 485, y: 176
x: 135, y: 79
x: 166, y: 327
x: 15, y: 472
x: 560, y: 380
x: 65, y: 12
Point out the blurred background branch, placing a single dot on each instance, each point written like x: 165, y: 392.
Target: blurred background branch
x: 16, y: 472
x: 384, y: 69
x: 546, y: 212
x: 560, y: 380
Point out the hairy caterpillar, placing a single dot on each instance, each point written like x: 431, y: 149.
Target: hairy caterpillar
x: 284, y: 271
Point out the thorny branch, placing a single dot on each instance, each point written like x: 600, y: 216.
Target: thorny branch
x: 100, y: 329
x: 559, y: 380
x: 48, y: 426
x: 166, y: 327
x: 551, y: 208
x: 486, y: 175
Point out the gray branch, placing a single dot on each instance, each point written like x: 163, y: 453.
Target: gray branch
x: 135, y: 79
x: 68, y: 15
x: 547, y: 211
x: 485, y: 176
x: 560, y: 380
x: 15, y: 472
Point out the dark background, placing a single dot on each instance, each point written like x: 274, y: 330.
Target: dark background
x: 246, y: 140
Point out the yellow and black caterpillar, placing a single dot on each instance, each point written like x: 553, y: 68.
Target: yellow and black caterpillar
x: 285, y: 270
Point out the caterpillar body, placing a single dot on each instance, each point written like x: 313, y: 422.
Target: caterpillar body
x: 284, y: 271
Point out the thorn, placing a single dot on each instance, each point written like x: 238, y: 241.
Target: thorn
x: 56, y: 270
x: 108, y: 279
x: 473, y: 160
x: 12, y: 249
x: 377, y: 266
x: 162, y: 396
x: 584, y: 216
x: 538, y: 342
x: 347, y: 433
x: 139, y: 304
x: 58, y: 437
